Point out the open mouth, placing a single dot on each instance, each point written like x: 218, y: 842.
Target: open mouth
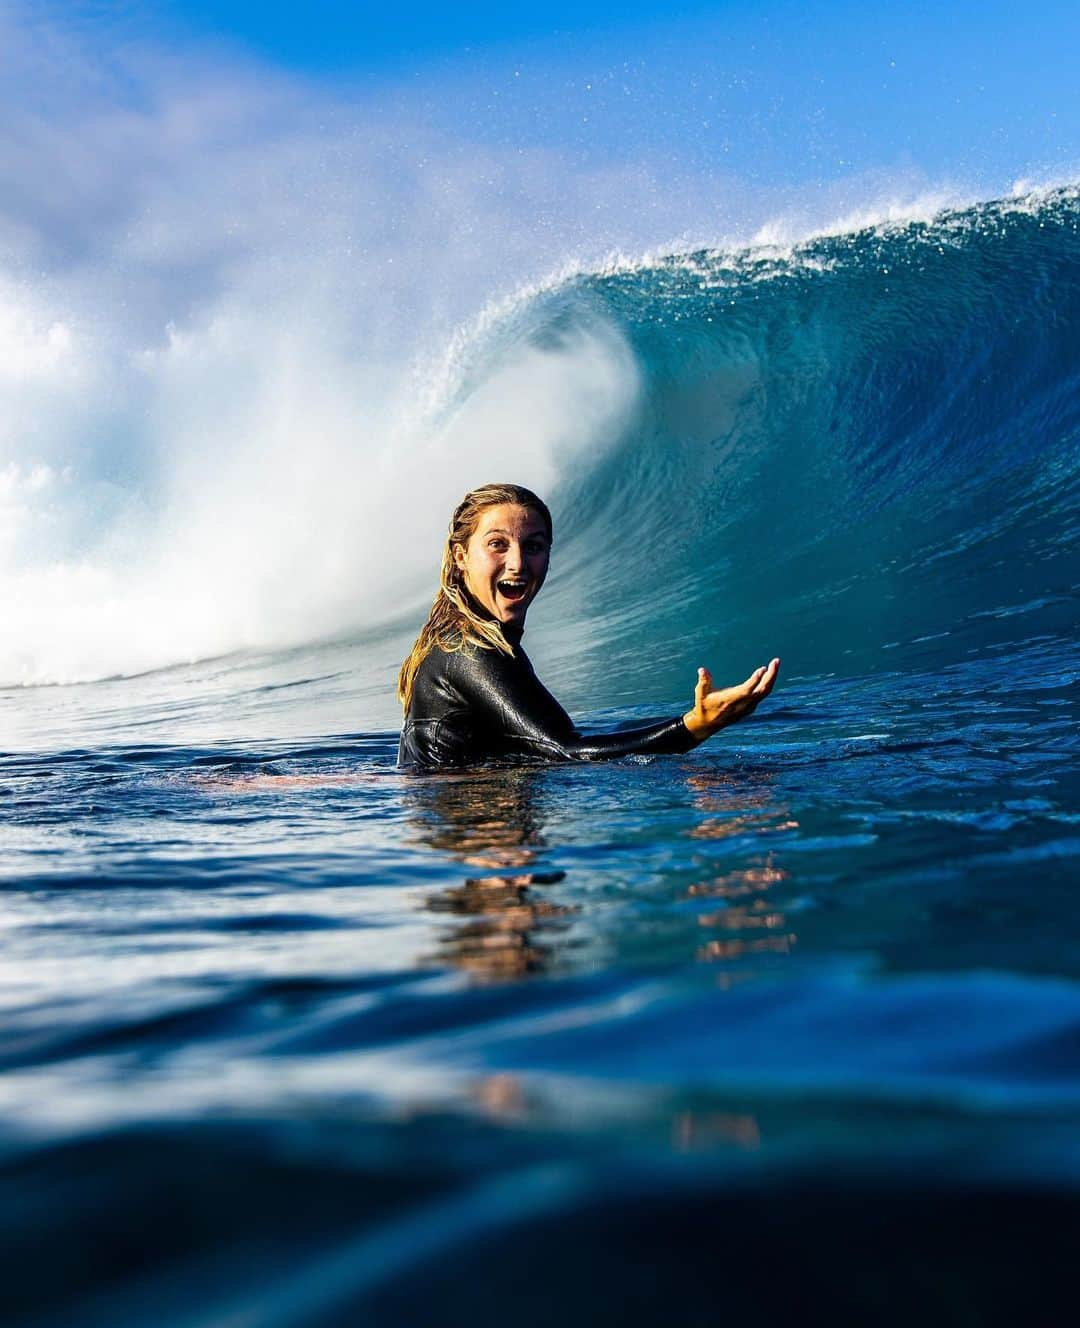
x: 512, y: 590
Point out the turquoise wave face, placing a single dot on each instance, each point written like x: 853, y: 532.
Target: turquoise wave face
x: 860, y: 452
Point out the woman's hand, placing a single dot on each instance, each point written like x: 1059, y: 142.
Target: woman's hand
x: 716, y: 710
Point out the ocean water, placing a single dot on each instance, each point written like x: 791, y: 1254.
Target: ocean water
x: 789, y: 1026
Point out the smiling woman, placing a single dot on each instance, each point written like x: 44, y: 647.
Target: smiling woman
x: 505, y: 560
x: 468, y: 689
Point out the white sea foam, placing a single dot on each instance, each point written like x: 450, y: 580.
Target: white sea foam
x: 223, y: 362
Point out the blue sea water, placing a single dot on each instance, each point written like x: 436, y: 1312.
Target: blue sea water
x: 789, y: 1026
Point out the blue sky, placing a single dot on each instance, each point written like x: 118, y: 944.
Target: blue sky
x: 780, y: 92
x: 324, y: 34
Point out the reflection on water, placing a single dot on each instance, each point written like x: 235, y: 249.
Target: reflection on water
x: 502, y: 1096
x: 504, y: 921
x: 753, y: 924
x: 697, y: 1130
x: 737, y: 804
x: 492, y: 822
x: 750, y: 921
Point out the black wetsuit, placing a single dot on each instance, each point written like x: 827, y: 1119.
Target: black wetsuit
x: 475, y: 705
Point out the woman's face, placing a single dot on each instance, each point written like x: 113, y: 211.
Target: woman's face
x: 505, y: 560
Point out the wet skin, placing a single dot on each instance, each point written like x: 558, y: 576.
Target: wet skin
x: 505, y: 561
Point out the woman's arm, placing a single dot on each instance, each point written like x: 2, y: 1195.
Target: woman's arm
x: 511, y: 708
x: 712, y: 712
x: 668, y: 737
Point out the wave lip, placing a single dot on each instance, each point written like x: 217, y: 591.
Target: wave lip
x: 864, y: 440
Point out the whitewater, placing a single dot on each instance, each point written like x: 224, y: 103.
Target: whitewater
x: 291, y: 1037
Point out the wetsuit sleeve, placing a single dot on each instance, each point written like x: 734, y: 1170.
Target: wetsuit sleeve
x: 666, y: 737
x: 513, y: 711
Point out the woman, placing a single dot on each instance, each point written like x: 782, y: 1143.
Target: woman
x: 467, y: 688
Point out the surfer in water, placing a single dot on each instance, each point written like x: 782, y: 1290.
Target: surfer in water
x: 468, y: 690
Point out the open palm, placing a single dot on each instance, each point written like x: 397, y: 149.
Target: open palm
x: 715, y: 710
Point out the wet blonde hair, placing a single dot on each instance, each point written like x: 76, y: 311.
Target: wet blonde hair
x: 453, y: 623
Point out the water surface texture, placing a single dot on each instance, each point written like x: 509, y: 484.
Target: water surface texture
x: 788, y: 1026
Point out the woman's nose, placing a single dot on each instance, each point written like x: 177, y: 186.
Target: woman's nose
x: 515, y: 560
